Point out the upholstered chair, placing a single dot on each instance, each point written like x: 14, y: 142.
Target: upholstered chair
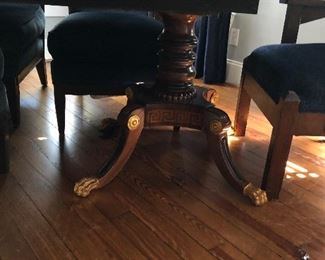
x: 4, y: 123
x: 22, y: 43
x: 101, y: 53
x: 287, y: 82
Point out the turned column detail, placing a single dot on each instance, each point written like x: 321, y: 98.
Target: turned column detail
x: 176, y: 57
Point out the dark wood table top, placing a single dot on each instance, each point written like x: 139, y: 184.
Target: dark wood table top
x: 316, y: 3
x: 182, y: 6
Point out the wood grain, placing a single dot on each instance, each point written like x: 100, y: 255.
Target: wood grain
x: 169, y: 202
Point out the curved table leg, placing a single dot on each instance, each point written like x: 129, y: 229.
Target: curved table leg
x: 131, y: 120
x: 217, y: 124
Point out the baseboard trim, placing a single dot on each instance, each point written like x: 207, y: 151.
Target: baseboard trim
x: 233, y: 74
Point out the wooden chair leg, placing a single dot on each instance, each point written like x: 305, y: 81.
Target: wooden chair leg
x: 279, y: 148
x: 177, y: 128
x: 242, y: 110
x: 59, y: 97
x: 4, y: 153
x: 42, y: 72
x: 13, y: 95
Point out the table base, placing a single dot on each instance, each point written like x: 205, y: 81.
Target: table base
x: 144, y: 110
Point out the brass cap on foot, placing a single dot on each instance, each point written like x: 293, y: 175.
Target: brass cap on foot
x: 83, y: 187
x: 257, y: 195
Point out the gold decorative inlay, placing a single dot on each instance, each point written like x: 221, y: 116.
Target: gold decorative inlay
x: 133, y: 122
x: 257, y: 195
x: 216, y: 126
x: 83, y: 187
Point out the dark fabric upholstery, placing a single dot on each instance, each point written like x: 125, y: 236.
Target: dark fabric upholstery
x: 212, y: 32
x: 297, y: 67
x: 98, y: 78
x: 4, y: 123
x: 106, y: 36
x: 102, y: 52
x: 20, y: 26
x: 21, y: 40
x: 16, y: 62
x: 4, y: 109
x: 1, y: 65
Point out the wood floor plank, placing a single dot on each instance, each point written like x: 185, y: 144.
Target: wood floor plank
x: 41, y: 237
x: 169, y: 202
x: 13, y: 245
x: 300, y: 233
x: 206, y: 226
x: 79, y: 237
x: 146, y: 240
x: 164, y: 228
x: 86, y: 211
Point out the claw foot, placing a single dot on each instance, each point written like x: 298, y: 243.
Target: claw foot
x: 257, y: 196
x: 83, y: 187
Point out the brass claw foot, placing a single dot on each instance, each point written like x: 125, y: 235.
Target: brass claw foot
x: 83, y: 187
x: 257, y: 195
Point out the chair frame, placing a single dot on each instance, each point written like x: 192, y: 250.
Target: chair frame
x: 284, y: 116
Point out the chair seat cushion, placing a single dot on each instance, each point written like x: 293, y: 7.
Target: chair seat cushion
x: 80, y: 78
x: 1, y: 64
x: 110, y: 37
x: 16, y: 62
x: 20, y: 26
x: 4, y: 109
x: 291, y: 67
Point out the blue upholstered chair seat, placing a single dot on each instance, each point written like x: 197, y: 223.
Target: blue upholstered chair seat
x: 3, y: 97
x: 114, y: 37
x: 20, y: 29
x: 104, y: 51
x: 98, y: 78
x: 4, y: 108
x: 296, y: 67
x: 4, y: 123
x: 20, y: 25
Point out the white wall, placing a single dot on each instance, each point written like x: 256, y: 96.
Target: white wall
x: 262, y: 29
x: 56, y: 11
x: 266, y: 28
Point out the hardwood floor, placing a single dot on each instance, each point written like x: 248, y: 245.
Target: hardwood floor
x: 169, y: 202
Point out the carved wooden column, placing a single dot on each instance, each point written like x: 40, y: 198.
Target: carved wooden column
x: 176, y: 57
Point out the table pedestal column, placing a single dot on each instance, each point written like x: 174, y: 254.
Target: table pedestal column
x: 174, y: 101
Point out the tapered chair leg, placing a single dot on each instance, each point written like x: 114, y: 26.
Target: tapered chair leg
x: 42, y: 72
x: 59, y: 98
x: 177, y: 128
x: 279, y: 148
x: 242, y: 110
x: 276, y: 162
x: 13, y: 95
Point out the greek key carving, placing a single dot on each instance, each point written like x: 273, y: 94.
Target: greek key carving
x: 173, y: 117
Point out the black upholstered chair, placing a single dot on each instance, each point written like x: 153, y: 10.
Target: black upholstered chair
x: 4, y: 123
x: 287, y: 82
x: 22, y: 43
x: 101, y: 53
